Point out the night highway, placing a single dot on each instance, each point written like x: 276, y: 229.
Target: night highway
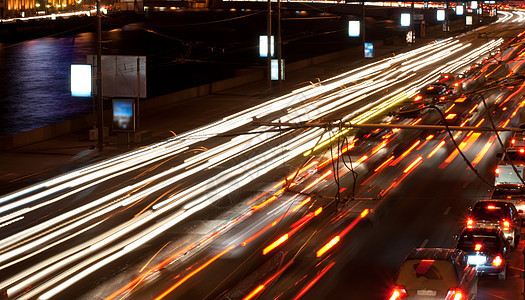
x: 249, y: 206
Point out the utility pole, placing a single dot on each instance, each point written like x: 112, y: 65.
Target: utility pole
x: 100, y: 121
x: 412, y: 27
x: 279, y: 53
x: 364, y: 26
x: 268, y: 53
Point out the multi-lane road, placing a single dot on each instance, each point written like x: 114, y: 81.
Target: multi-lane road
x: 236, y: 209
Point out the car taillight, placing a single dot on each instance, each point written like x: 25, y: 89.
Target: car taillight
x: 497, y: 171
x: 418, y: 97
x: 470, y: 222
x: 497, y: 261
x: 454, y: 294
x: 506, y: 225
x: 477, y: 247
x: 513, y: 141
x: 398, y: 292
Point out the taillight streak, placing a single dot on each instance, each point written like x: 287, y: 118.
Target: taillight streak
x: 185, y: 278
x: 314, y: 281
x: 338, y: 237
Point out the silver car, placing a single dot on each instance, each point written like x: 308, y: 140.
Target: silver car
x: 435, y: 273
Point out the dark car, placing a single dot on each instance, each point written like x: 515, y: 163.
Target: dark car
x: 464, y: 111
x: 432, y: 92
x: 497, y: 214
x: 435, y: 273
x: 487, y: 249
x: 514, y: 193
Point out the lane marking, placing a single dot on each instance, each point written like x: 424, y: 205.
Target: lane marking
x: 424, y: 244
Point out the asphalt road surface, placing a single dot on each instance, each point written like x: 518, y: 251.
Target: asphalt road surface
x: 241, y: 209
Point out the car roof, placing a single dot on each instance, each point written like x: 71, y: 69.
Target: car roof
x: 499, y: 203
x: 434, y: 253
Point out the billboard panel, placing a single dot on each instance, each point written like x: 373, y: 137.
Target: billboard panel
x: 122, y: 75
x: 263, y: 45
x: 405, y: 19
x: 354, y: 28
x: 369, y: 50
x: 123, y: 115
x: 80, y: 80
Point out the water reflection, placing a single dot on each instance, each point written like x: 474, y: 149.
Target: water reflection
x: 34, y: 76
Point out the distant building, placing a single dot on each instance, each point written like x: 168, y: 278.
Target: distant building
x: 17, y: 8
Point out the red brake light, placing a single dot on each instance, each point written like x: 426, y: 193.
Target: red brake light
x: 522, y: 150
x: 506, y: 224
x: 446, y: 76
x: 399, y: 292
x: 469, y: 223
x: 497, y: 171
x: 478, y: 247
x: 430, y: 88
x: 454, y: 294
x: 497, y: 261
x: 456, y: 84
x: 492, y: 206
x: 513, y: 141
x: 418, y: 97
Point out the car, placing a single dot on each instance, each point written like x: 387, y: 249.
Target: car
x: 514, y: 193
x: 487, y: 249
x: 497, y: 214
x: 432, y: 92
x: 435, y: 273
x: 465, y: 110
x: 518, y: 140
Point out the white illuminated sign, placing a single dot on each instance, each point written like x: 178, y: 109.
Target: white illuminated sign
x: 468, y: 20
x: 81, y: 80
x: 354, y: 28
x: 440, y: 15
x: 459, y: 10
x: 474, y: 4
x: 405, y: 19
x: 263, y: 45
x: 275, y: 67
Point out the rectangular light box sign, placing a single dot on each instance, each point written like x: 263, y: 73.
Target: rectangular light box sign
x: 468, y: 20
x: 123, y: 115
x: 474, y: 4
x: 263, y: 45
x: 405, y: 19
x: 275, y: 67
x: 459, y: 10
x: 369, y: 50
x: 80, y: 80
x: 354, y: 28
x: 440, y: 14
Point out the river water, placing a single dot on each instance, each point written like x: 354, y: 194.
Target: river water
x: 183, y: 49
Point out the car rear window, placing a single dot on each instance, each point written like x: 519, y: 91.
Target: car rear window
x: 490, y: 212
x: 468, y: 242
x: 427, y: 274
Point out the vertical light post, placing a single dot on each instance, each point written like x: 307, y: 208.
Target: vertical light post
x: 446, y: 18
x: 364, y: 25
x: 412, y: 28
x: 100, y: 121
x: 279, y: 53
x: 269, y: 53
